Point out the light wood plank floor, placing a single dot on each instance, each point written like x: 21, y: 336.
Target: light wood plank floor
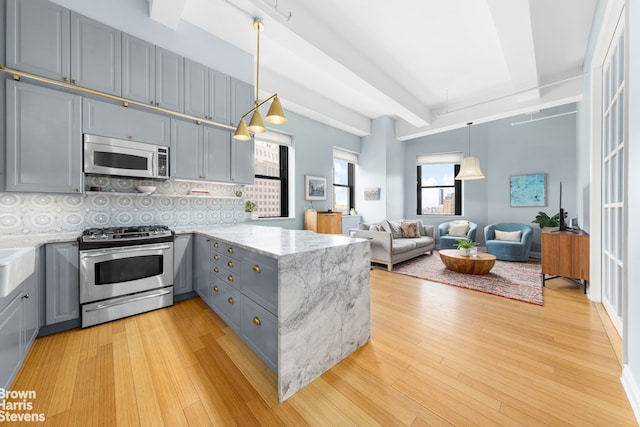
x: 439, y: 356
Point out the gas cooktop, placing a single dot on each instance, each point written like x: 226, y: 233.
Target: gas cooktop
x: 114, y: 236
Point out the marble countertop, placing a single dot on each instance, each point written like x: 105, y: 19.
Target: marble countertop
x: 271, y: 241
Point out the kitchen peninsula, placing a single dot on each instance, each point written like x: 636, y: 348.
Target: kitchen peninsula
x: 299, y: 299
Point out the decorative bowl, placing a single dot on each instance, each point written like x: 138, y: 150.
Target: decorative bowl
x: 146, y: 188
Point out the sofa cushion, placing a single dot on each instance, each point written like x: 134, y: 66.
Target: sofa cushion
x: 458, y: 229
x: 410, y: 229
x: 423, y: 242
x: 401, y: 246
x: 395, y: 228
x: 511, y: 236
x: 363, y: 226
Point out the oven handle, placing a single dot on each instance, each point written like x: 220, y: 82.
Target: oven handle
x: 123, y: 249
x: 114, y: 304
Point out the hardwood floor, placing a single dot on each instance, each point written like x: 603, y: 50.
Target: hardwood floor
x: 439, y: 356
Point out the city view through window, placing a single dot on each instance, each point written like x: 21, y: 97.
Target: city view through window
x: 266, y: 192
x: 438, y: 189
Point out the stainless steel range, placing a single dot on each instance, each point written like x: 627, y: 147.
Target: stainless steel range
x: 125, y: 271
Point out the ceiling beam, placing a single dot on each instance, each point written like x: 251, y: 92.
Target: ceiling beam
x: 167, y: 12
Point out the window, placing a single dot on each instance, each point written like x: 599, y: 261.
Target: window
x: 270, y: 189
x: 343, y: 180
x: 438, y: 193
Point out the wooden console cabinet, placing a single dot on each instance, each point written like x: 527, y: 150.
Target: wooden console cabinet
x: 565, y: 254
x: 323, y: 222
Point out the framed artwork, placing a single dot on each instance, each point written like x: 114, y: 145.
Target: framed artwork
x: 528, y: 190
x: 315, y: 187
x: 372, y: 193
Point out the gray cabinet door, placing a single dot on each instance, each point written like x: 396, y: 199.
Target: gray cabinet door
x: 38, y: 37
x: 31, y: 303
x: 196, y: 83
x: 201, y: 268
x: 44, y: 141
x: 182, y: 264
x: 169, y: 80
x: 116, y: 121
x: 186, y: 150
x: 95, y: 55
x: 241, y: 100
x: 216, y: 155
x: 242, y: 166
x: 138, y: 69
x: 219, y: 97
x: 11, y: 339
x: 62, y: 282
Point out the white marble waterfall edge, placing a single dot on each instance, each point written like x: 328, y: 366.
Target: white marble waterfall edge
x: 323, y: 311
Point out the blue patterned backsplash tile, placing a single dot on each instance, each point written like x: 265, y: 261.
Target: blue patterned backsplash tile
x: 118, y: 203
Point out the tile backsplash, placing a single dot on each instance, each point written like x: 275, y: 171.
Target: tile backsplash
x: 118, y: 203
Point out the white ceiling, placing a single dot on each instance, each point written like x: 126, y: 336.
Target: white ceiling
x: 433, y: 65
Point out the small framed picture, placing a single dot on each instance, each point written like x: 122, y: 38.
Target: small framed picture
x: 315, y: 187
x: 528, y: 190
x: 372, y: 193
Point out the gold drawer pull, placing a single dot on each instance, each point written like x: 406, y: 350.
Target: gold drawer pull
x: 230, y: 300
x: 216, y: 257
x: 257, y: 321
x: 230, y: 264
x: 230, y: 278
x: 257, y: 268
x: 215, y: 288
x: 215, y: 269
x: 215, y: 245
x: 230, y: 250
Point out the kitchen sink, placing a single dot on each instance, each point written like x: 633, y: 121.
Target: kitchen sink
x: 16, y: 264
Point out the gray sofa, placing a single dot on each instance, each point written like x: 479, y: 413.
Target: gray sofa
x: 389, y: 247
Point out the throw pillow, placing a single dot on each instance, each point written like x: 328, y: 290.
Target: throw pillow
x: 458, y: 229
x: 363, y: 226
x: 511, y: 236
x: 396, y: 230
x: 410, y: 229
x: 377, y: 228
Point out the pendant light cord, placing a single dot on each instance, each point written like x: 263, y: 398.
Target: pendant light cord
x: 469, y: 127
x: 258, y: 25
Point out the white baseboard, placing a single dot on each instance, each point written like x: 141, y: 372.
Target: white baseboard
x: 632, y: 389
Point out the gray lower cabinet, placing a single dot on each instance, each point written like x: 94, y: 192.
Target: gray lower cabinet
x: 138, y: 69
x: 260, y: 280
x: 62, y: 282
x: 38, y: 38
x: 259, y: 329
x: 201, y: 267
x: 169, y: 80
x: 116, y: 121
x: 44, y: 140
x: 226, y: 301
x: 96, y: 55
x: 182, y: 264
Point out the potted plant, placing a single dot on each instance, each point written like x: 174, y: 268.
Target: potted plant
x: 465, y: 246
x: 252, y: 207
x: 544, y: 220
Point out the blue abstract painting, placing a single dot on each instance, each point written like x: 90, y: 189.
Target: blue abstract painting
x: 528, y: 190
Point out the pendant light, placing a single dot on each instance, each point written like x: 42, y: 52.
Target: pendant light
x: 276, y: 112
x: 470, y: 168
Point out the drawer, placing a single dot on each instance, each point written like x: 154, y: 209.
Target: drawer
x: 224, y: 261
x: 259, y: 329
x: 230, y: 250
x: 226, y: 302
x: 226, y: 276
x: 260, y: 281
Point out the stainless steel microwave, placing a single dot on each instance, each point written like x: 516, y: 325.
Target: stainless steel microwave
x: 110, y: 156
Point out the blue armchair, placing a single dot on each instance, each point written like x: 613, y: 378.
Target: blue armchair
x: 509, y: 250
x: 451, y: 242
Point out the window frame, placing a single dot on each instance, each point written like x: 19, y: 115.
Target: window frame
x: 283, y: 178
x: 351, y: 178
x: 457, y: 187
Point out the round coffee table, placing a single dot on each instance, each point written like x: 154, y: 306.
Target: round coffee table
x: 480, y: 264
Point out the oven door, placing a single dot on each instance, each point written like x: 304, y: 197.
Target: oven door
x: 112, y: 272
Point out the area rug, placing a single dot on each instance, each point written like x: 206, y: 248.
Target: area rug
x: 520, y: 281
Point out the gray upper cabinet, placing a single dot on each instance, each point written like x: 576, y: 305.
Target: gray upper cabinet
x: 138, y: 70
x: 62, y: 282
x: 44, y: 140
x: 207, y: 92
x: 242, y: 165
x: 186, y: 150
x: 169, y: 80
x: 241, y: 100
x: 117, y: 121
x: 183, y: 264
x: 38, y: 38
x: 216, y: 154
x: 95, y: 55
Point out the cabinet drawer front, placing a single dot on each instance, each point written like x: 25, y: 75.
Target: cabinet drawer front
x: 227, y: 249
x: 221, y: 260
x: 260, y: 281
x: 259, y: 329
x: 227, y: 303
x: 230, y: 278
